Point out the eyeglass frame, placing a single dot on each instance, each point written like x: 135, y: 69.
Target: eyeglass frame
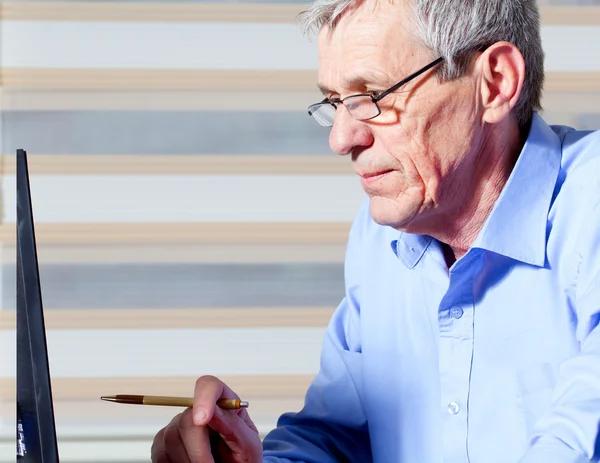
x: 376, y: 97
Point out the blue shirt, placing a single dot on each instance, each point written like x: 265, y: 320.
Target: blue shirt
x: 495, y: 360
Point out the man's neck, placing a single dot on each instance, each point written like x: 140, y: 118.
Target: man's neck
x: 491, y: 168
x: 463, y: 229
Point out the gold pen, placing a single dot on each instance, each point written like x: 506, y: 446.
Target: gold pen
x: 227, y: 404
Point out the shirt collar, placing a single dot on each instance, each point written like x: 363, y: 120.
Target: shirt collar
x: 410, y: 248
x: 516, y: 226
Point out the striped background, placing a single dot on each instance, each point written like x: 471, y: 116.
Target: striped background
x: 190, y: 216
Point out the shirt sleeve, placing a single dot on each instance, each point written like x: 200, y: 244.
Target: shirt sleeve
x: 569, y: 431
x: 332, y: 425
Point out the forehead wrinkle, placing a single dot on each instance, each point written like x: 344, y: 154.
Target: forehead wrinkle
x: 365, y: 49
x: 369, y: 78
x: 358, y: 82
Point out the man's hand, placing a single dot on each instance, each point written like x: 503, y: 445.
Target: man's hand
x: 207, y: 433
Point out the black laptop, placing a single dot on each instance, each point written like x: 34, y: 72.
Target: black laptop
x: 36, y: 432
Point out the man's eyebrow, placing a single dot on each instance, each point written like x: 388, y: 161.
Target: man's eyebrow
x: 324, y: 90
x: 356, y: 82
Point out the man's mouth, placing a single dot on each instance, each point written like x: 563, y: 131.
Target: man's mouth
x: 371, y: 177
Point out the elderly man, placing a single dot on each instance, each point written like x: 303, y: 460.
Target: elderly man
x: 469, y: 329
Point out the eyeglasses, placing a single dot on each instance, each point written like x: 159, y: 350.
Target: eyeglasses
x: 362, y: 106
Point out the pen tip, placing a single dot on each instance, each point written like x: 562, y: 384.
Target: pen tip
x: 244, y: 404
x: 110, y: 398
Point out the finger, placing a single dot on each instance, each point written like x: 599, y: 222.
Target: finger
x: 196, y: 439
x: 162, y: 458
x: 218, y: 445
x: 235, y: 426
x: 245, y: 417
x: 173, y: 444
x: 234, y: 431
x: 158, y: 452
x: 207, y: 391
x: 221, y: 448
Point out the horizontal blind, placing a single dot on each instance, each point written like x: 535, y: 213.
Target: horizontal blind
x: 190, y: 216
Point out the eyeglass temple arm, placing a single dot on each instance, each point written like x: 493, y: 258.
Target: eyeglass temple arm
x: 409, y: 78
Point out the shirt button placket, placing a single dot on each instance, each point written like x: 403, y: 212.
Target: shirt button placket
x: 456, y: 360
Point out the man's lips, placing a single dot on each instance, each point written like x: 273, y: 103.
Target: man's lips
x: 370, y: 177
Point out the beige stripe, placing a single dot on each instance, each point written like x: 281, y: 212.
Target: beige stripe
x: 183, y: 79
x: 570, y: 15
x: 263, y: 386
x: 572, y: 81
x: 571, y: 102
x: 15, y: 99
x: 147, y: 11
x: 169, y: 164
x: 239, y: 80
x: 218, y: 12
x: 251, y: 317
x: 192, y: 253
x: 194, y: 233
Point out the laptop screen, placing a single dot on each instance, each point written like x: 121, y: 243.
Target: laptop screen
x: 36, y: 432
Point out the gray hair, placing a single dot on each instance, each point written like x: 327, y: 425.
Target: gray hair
x: 455, y: 29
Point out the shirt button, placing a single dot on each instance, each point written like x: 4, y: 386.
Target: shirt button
x: 456, y: 312
x: 453, y: 408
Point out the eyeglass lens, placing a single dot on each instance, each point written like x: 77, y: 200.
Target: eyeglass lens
x: 361, y: 107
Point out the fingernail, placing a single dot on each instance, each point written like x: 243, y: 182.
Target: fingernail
x: 199, y: 416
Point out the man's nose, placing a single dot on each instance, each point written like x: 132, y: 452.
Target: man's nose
x: 347, y: 133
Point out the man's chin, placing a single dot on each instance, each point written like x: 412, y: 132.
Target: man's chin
x: 389, y: 213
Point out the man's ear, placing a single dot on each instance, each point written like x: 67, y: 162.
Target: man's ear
x: 502, y: 75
